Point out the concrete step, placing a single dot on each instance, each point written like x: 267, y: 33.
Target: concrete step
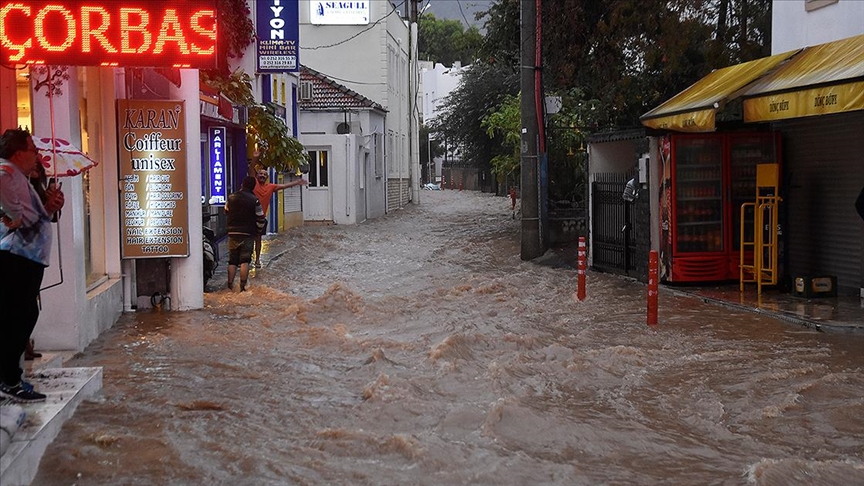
x: 49, y: 359
x: 65, y: 388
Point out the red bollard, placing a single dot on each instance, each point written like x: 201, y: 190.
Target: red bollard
x: 512, y: 198
x: 652, y: 288
x: 581, y: 264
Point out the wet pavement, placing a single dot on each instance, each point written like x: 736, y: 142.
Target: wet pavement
x: 419, y: 349
x: 843, y: 314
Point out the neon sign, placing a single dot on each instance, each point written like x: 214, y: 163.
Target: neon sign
x: 217, y: 166
x: 155, y: 33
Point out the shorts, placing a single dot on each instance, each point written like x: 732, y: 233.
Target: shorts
x: 263, y: 230
x: 240, y: 249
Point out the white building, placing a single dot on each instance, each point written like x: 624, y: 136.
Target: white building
x: 365, y: 46
x: 342, y: 132
x: 437, y: 82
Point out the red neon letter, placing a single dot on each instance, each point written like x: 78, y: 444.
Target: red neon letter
x: 171, y: 23
x: 99, y: 32
x: 207, y: 33
x: 71, y: 32
x: 5, y: 40
x: 126, y: 29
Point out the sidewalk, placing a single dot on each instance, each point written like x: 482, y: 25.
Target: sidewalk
x: 65, y: 388
x: 828, y: 314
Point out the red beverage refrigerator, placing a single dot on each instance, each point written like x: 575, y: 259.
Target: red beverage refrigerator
x: 705, y: 179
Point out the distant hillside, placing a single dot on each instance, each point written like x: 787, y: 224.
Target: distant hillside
x: 462, y: 10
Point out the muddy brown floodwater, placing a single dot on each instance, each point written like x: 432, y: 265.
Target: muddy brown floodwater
x: 418, y: 349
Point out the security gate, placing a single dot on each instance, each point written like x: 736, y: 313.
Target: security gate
x: 614, y: 225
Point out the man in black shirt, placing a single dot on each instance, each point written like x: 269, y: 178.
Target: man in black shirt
x: 245, y: 220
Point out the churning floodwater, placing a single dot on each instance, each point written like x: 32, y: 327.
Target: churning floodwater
x: 418, y: 349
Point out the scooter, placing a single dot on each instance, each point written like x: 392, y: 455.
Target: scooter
x: 211, y: 254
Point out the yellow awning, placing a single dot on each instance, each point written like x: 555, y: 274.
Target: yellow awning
x: 694, y: 109
x: 822, y: 79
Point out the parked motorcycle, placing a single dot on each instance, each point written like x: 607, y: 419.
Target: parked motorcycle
x: 211, y: 254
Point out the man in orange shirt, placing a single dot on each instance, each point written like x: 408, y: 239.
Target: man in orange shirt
x: 264, y: 189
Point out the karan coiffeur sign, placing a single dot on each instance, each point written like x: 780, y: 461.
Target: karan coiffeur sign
x: 153, y: 185
x: 156, y: 33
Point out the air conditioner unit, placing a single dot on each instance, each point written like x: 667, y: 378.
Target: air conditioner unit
x: 305, y: 90
x: 344, y: 128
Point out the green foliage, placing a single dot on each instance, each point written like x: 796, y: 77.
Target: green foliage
x: 236, y: 31
x: 276, y: 149
x: 484, y: 87
x: 445, y: 41
x: 567, y: 135
x: 506, y: 122
x: 631, y: 55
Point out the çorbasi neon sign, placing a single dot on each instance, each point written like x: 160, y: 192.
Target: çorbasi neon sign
x: 155, y: 33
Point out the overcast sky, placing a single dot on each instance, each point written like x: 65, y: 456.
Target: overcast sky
x: 462, y: 10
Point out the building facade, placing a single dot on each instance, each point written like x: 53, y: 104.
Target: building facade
x: 366, y: 46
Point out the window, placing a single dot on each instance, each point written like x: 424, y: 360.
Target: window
x: 90, y: 105
x: 305, y: 90
x: 319, y: 165
x: 379, y: 156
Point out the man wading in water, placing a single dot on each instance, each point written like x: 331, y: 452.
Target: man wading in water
x: 245, y: 220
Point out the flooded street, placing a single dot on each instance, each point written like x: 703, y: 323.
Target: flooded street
x: 418, y: 349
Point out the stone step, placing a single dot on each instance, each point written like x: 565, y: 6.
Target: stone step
x: 49, y: 359
x: 65, y: 388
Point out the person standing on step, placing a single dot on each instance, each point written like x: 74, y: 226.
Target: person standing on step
x: 245, y: 218
x: 265, y: 189
x: 25, y: 249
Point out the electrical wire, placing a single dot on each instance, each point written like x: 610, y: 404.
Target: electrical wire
x: 367, y: 29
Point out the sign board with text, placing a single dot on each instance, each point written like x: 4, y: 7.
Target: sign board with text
x: 339, y: 12
x: 278, y: 28
x: 153, y: 183
x: 153, y: 33
x: 217, y: 140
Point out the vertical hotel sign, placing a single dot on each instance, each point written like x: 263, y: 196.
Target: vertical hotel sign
x: 278, y: 27
x: 153, y: 184
x: 217, y: 166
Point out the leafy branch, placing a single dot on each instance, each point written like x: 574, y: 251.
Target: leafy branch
x: 275, y: 148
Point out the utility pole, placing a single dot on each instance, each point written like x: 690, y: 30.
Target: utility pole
x: 414, y: 167
x: 532, y: 244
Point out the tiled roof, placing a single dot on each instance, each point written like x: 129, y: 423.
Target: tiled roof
x: 328, y: 94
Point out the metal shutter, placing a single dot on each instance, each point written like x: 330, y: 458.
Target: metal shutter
x: 823, y: 173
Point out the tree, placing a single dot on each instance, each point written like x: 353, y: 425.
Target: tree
x: 485, y: 86
x: 632, y: 55
x: 236, y: 33
x: 506, y: 122
x: 445, y: 41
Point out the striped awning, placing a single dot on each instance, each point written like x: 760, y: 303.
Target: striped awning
x: 694, y: 109
x: 822, y: 79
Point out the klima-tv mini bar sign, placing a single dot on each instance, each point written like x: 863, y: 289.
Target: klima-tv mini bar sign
x: 155, y: 33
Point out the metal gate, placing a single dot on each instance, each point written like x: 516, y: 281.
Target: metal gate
x: 612, y: 218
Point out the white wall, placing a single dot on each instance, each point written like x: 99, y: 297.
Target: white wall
x: 72, y: 316
x: 374, y: 64
x: 438, y: 83
x: 794, y: 27
x: 350, y: 203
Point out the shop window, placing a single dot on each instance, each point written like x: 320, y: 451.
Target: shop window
x: 318, y: 168
x: 90, y: 106
x: 23, y: 102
